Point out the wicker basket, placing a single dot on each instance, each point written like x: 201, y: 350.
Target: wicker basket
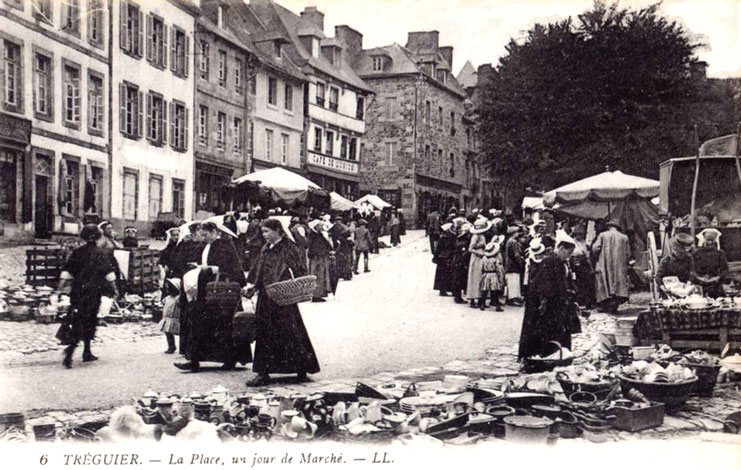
x: 222, y: 295
x: 292, y: 291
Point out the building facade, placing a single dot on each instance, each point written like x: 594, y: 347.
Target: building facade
x: 275, y: 92
x: 222, y: 107
x: 152, y: 65
x: 54, y: 154
x: 415, y: 140
x: 334, y: 96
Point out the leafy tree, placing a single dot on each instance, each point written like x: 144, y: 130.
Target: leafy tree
x: 613, y: 87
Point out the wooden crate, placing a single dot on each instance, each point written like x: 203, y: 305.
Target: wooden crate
x: 144, y: 273
x: 44, y: 264
x: 711, y: 339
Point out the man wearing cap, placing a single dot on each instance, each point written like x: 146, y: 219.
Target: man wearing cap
x: 130, y: 240
x: 611, y: 249
x: 363, y: 245
x: 711, y: 265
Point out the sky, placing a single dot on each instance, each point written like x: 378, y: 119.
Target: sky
x: 480, y: 29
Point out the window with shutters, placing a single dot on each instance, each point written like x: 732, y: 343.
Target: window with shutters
x: 71, y: 17
x: 268, y: 144
x: 178, y: 197
x: 43, y: 89
x: 71, y: 184
x: 203, y: 125
x: 317, y: 139
x: 238, y: 76
x: 132, y: 29
x: 12, y: 78
x: 96, y: 22
x: 71, y: 95
x: 179, y: 52
x: 156, y: 41
x: 95, y: 103
x: 179, y: 126
x: 203, y: 59
x: 222, y: 68
x: 237, y: 136
x: 130, y: 193
x: 284, y: 141
x: 343, y: 146
x: 320, y: 94
x: 334, y: 98
x: 272, y: 91
x: 221, y: 131
x: 155, y: 196
x: 156, y: 118
x: 131, y: 112
x: 330, y: 143
x: 43, y: 11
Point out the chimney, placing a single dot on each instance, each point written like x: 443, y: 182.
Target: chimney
x: 423, y: 40
x: 447, y: 53
x: 313, y: 16
x: 484, y: 72
x: 352, y: 42
x: 699, y: 70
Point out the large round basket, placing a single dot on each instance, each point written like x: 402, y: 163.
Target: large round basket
x: 533, y: 365
x: 292, y: 291
x: 601, y: 389
x: 671, y: 394
x: 707, y: 376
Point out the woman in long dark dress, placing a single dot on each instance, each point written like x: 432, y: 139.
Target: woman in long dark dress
x: 548, y: 307
x: 92, y: 275
x: 187, y: 251
x: 282, y: 343
x: 209, y: 333
x: 444, y: 257
x: 321, y: 254
x: 461, y: 261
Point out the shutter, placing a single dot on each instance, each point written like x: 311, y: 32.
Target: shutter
x: 163, y: 51
x: 140, y: 31
x: 140, y: 114
x: 149, y: 115
x: 185, y: 133
x: 187, y: 56
x: 173, y: 142
x: 173, y: 52
x: 61, y: 192
x: 81, y: 199
x: 35, y: 83
x: 150, y: 41
x: 163, y: 124
x: 124, y: 18
x: 122, y: 111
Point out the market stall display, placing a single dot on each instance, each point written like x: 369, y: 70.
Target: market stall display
x: 282, y: 186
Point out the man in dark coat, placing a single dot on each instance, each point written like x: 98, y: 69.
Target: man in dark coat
x: 432, y: 228
x: 444, y: 257
x: 374, y: 226
x: 461, y: 261
x: 92, y: 275
x: 363, y: 245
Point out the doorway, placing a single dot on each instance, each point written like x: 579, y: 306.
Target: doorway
x: 42, y: 208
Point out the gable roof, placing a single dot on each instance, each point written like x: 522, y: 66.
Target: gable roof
x: 468, y: 76
x: 278, y: 18
x: 403, y: 62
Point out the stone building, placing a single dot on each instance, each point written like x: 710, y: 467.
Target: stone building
x: 153, y: 94
x: 275, y: 90
x: 414, y: 155
x: 54, y: 141
x: 334, y: 98
x: 221, y: 112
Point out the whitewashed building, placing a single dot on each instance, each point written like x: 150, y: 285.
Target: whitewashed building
x: 153, y: 101
x: 54, y: 158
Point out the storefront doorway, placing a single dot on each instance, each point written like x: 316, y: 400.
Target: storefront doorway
x: 42, y: 215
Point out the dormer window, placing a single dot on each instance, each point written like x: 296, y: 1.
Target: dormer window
x: 378, y: 63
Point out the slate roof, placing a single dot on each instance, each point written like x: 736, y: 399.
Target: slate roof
x: 468, y: 76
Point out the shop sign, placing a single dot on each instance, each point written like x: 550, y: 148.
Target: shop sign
x: 331, y: 163
x: 15, y: 129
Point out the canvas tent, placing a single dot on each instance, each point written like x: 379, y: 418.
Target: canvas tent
x: 374, y: 201
x: 284, y: 186
x: 339, y: 203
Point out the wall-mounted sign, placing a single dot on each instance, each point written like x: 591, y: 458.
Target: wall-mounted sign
x: 331, y: 163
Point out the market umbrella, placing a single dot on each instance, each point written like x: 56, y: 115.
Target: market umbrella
x: 339, y: 203
x: 373, y: 200
x: 283, y: 186
x: 596, y: 197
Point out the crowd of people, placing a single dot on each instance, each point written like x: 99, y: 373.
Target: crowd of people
x: 241, y: 254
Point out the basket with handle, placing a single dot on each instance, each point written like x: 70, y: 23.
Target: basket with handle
x: 222, y: 295
x: 292, y: 291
